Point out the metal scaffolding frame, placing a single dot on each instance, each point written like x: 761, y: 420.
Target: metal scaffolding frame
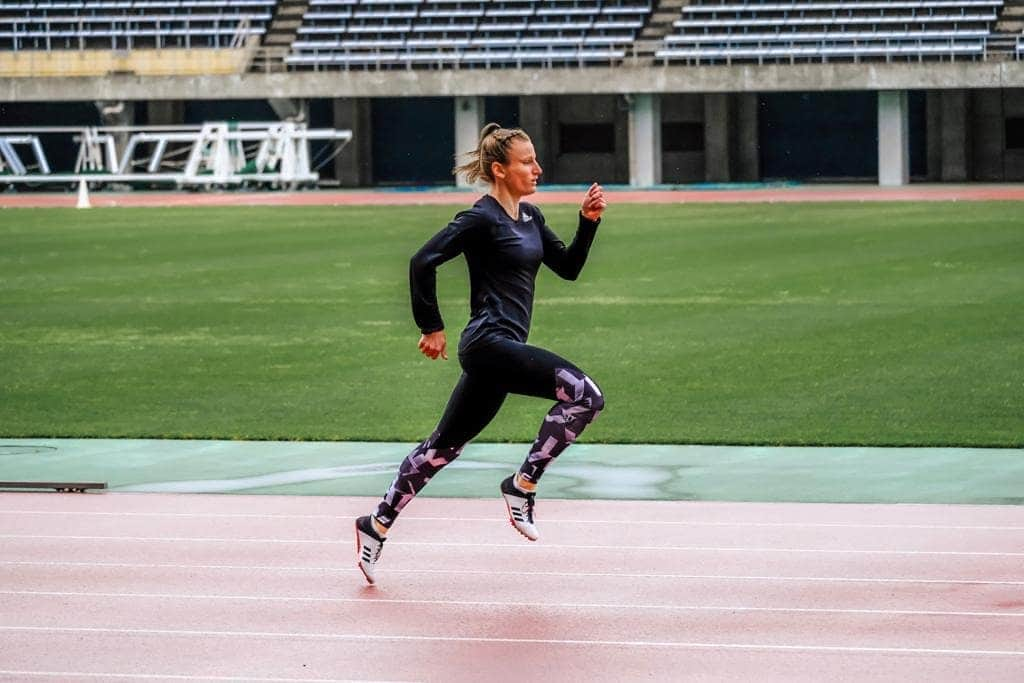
x: 221, y: 154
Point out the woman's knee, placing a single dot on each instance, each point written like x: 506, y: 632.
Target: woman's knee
x: 576, y: 387
x: 597, y: 399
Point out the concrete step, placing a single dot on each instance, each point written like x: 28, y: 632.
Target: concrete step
x: 660, y: 17
x: 646, y: 47
x: 659, y: 23
x: 285, y: 23
x: 655, y: 31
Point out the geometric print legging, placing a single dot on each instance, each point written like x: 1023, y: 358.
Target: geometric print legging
x: 489, y: 375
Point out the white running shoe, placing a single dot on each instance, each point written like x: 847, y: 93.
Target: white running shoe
x: 520, y: 509
x: 368, y: 546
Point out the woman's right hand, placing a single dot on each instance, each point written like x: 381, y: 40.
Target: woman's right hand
x: 434, y: 344
x: 594, y: 203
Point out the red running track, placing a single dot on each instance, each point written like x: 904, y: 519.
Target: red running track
x: 174, y: 587
x: 812, y: 193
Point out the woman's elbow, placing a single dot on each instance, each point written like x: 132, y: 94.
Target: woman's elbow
x: 565, y: 269
x: 572, y: 275
x: 419, y: 263
x: 572, y: 270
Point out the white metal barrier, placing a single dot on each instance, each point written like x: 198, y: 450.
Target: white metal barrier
x: 271, y: 154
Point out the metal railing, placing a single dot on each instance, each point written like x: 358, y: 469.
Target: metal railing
x: 212, y: 154
x: 127, y: 32
x: 639, y: 54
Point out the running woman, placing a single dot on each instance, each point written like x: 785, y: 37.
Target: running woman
x: 504, y: 240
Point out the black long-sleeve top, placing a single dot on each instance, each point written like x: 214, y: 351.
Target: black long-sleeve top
x: 504, y: 256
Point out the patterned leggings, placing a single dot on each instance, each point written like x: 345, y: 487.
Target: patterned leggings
x: 489, y: 375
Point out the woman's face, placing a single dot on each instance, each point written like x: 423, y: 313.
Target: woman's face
x: 520, y: 174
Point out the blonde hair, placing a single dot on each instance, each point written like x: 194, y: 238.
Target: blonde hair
x: 493, y: 146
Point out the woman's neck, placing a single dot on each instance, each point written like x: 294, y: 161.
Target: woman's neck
x: 508, y: 200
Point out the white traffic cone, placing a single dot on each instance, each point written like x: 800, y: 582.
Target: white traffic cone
x: 83, y: 195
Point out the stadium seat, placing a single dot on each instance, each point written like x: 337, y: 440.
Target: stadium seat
x: 709, y: 31
x: 127, y: 24
x: 473, y: 34
x: 455, y: 33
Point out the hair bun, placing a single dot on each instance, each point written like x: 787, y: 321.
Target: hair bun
x: 488, y: 129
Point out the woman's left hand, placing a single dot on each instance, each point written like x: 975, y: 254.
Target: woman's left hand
x: 594, y: 203
x: 433, y: 345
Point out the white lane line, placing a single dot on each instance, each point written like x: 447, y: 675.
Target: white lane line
x: 523, y: 641
x: 503, y: 521
x: 178, y: 677
x: 504, y: 603
x: 712, y: 549
x: 518, y: 546
x: 628, y: 576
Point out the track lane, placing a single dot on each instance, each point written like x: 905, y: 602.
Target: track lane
x: 812, y: 193
x: 219, y: 581
x: 626, y: 591
x: 494, y: 529
x: 441, y: 660
x: 535, y: 620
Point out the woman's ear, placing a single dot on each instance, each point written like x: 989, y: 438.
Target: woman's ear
x: 497, y: 170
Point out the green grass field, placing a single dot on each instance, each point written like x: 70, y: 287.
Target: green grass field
x: 872, y: 324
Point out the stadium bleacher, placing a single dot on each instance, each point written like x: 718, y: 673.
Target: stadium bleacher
x: 384, y: 34
x: 131, y: 24
x: 443, y: 33
x: 730, y: 31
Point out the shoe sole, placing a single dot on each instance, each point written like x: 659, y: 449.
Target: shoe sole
x: 359, y: 550
x: 513, y: 522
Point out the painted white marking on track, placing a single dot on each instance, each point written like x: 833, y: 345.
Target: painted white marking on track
x: 716, y: 549
x: 64, y: 675
x: 503, y: 521
x: 534, y: 641
x: 501, y: 603
x: 519, y: 546
x: 512, y: 572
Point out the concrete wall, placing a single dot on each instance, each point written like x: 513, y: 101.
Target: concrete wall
x: 717, y: 124
x: 893, y: 126
x: 682, y: 167
x: 354, y: 166
x: 597, y: 80
x: 992, y: 160
x: 644, y: 143
x: 730, y: 156
x: 165, y: 112
x: 1013, y: 160
x: 987, y: 135
x: 967, y: 135
x: 81, y: 63
x: 933, y: 114
x: 535, y: 118
x: 745, y: 158
x: 568, y: 167
x: 730, y: 138
x: 543, y: 116
x: 950, y: 150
